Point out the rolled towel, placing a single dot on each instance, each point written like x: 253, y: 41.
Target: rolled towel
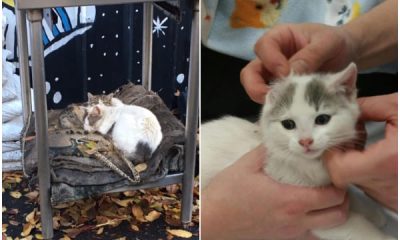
x: 12, y: 129
x: 11, y: 110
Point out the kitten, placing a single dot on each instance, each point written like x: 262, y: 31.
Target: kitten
x: 303, y: 116
x: 134, y: 130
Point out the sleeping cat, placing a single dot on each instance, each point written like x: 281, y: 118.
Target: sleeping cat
x: 73, y: 115
x: 135, y: 130
x: 303, y: 116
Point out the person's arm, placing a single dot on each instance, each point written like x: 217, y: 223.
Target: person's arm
x: 242, y: 202
x: 375, y: 35
x: 369, y: 40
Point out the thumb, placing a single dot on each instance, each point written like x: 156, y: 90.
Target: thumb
x: 354, y: 166
x: 311, y: 57
x: 254, y: 159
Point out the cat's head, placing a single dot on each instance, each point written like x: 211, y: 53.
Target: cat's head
x: 304, y: 115
x: 96, y: 99
x: 94, y: 117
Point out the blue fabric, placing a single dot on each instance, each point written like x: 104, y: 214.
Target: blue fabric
x: 239, y: 42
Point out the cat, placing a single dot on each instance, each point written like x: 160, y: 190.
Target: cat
x: 134, y: 130
x: 73, y: 115
x: 303, y: 116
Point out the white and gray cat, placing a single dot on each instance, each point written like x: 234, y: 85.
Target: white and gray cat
x: 134, y: 130
x: 303, y: 116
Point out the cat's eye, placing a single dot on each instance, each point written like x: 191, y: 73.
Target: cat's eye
x: 288, y: 124
x: 322, y: 119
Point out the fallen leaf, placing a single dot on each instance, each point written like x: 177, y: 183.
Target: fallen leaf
x: 172, y: 188
x: 100, y: 231
x: 38, y: 236
x: 32, y: 195
x: 65, y: 237
x: 14, y: 223
x: 27, y: 228
x: 141, y: 167
x: 138, y: 213
x: 129, y: 193
x: 15, y: 194
x: 180, y: 233
x: 153, y: 215
x: 64, y: 205
x: 74, y: 232
x: 30, y: 237
x: 135, y: 228
x: 122, y: 203
x: 4, y: 227
x: 172, y: 221
x: 32, y: 218
x: 13, y: 211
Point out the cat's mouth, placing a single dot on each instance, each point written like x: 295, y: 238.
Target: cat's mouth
x: 312, y: 152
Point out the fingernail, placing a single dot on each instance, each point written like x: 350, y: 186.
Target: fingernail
x: 281, y: 72
x: 299, y: 66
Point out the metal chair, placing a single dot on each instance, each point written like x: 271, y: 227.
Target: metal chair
x: 33, y: 11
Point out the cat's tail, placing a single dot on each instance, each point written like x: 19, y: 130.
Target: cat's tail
x: 143, y: 152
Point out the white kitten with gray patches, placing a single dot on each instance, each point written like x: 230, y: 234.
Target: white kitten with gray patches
x: 134, y: 130
x: 303, y: 116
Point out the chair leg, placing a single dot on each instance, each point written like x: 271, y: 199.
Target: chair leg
x: 191, y: 122
x: 35, y: 16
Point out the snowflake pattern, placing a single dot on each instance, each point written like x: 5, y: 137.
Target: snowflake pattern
x: 158, y: 26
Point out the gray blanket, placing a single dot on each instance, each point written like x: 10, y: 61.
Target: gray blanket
x: 76, y: 176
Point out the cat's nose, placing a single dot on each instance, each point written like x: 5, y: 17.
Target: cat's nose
x: 306, y: 142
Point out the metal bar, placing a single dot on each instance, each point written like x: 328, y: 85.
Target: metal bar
x: 168, y: 180
x: 36, y: 4
x: 35, y: 16
x: 147, y: 50
x: 191, y: 121
x: 23, y: 57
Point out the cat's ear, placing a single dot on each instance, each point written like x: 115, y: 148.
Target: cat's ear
x: 345, y: 80
x: 90, y: 96
x: 110, y: 96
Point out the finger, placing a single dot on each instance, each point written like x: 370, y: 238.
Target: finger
x: 313, y: 55
x: 270, y: 50
x: 378, y: 108
x: 353, y: 166
x: 321, y: 198
x: 253, y: 81
x: 328, y: 218
x: 254, y: 159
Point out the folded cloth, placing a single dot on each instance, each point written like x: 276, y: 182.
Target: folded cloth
x: 12, y: 129
x: 10, y: 146
x: 11, y: 110
x: 76, y: 176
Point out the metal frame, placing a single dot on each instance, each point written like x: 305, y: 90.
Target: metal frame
x: 33, y: 11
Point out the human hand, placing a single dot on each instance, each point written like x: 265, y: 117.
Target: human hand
x: 242, y: 202
x: 375, y: 168
x: 303, y: 48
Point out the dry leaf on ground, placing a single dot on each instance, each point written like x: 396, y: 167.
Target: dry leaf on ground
x: 180, y: 233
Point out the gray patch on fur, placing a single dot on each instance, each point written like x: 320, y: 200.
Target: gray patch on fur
x: 111, y: 129
x: 284, y: 100
x: 93, y: 118
x: 317, y: 95
x: 143, y: 152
